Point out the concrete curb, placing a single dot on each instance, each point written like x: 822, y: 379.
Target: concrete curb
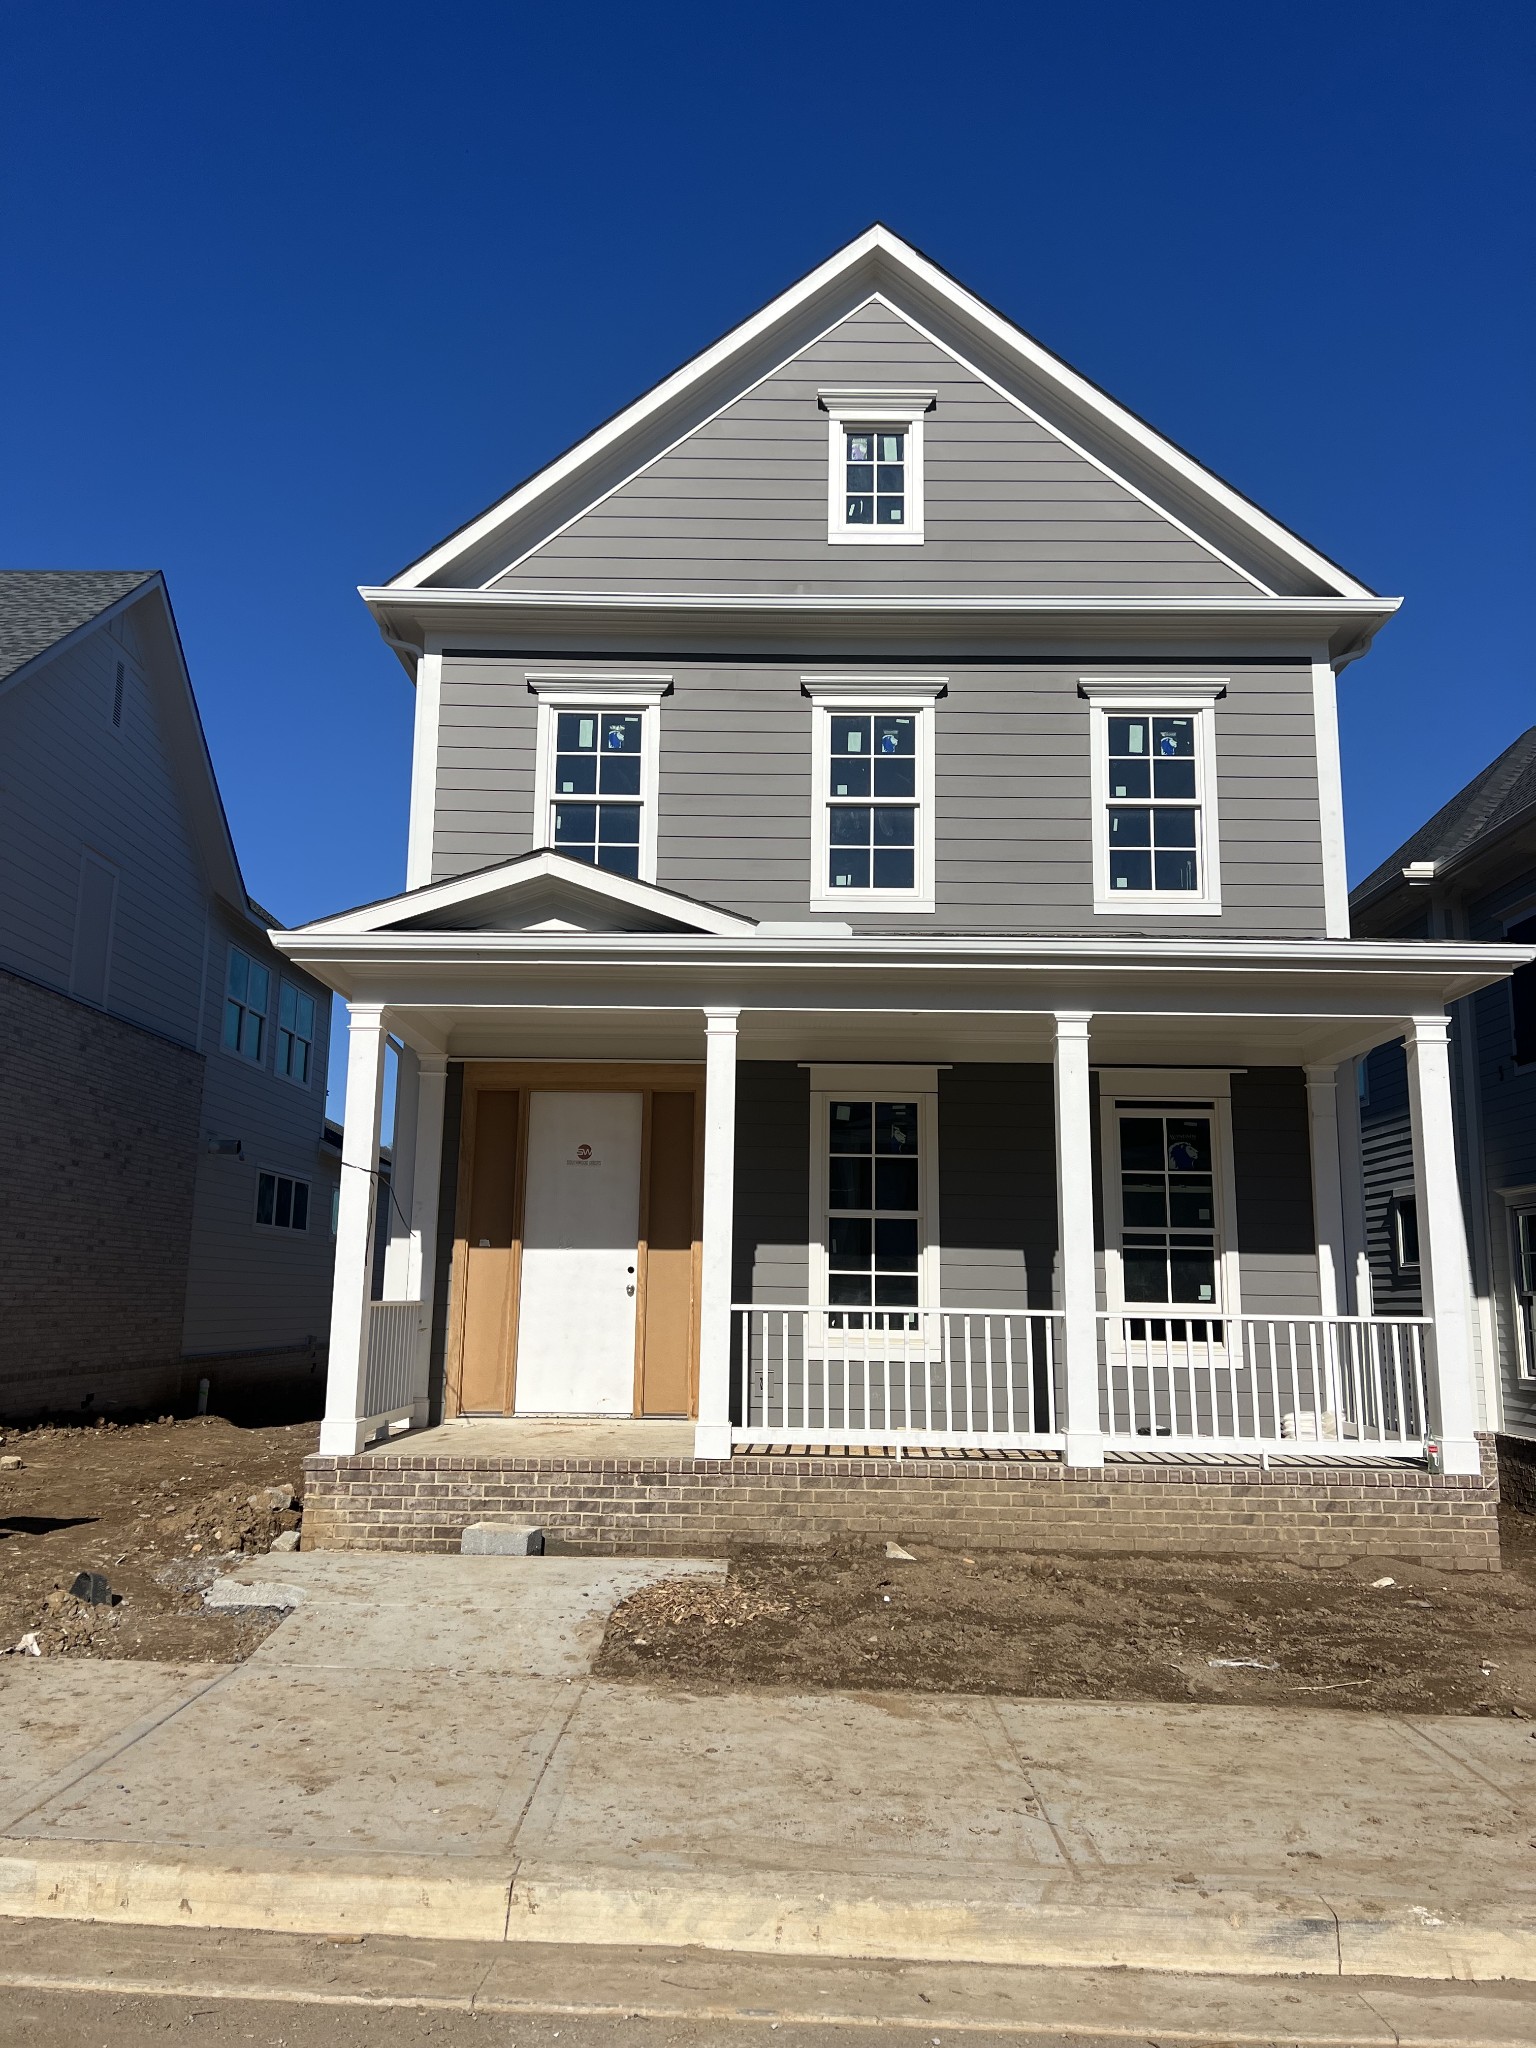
x: 1060, y: 1923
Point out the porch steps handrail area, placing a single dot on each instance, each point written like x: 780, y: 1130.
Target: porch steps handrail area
x: 1180, y: 1380
x: 389, y: 1388
x: 958, y: 1377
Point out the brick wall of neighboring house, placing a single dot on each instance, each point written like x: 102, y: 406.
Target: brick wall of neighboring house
x: 99, y: 1126
x: 393, y: 1501
x: 1517, y: 1472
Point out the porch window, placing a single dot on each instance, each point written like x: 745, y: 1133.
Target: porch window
x: 1168, y: 1207
x: 1525, y: 1291
x: 247, y: 998
x: 874, y: 1205
x: 599, y: 762
x: 295, y: 1033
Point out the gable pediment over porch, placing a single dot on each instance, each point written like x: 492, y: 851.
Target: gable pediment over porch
x: 540, y: 892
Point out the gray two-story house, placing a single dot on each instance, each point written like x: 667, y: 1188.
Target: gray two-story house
x: 166, y: 1192
x: 875, y: 960
x: 1469, y: 872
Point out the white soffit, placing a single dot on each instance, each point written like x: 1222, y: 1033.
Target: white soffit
x: 878, y: 245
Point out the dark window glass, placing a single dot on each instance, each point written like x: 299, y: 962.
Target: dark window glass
x: 1522, y: 995
x: 872, y: 1202
x: 1152, y: 757
x: 1167, y: 1209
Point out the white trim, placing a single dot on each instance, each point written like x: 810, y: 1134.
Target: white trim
x: 712, y: 1432
x: 1330, y: 799
x: 597, y: 692
x: 1073, y: 1089
x: 1117, y: 1098
x: 1443, y: 1277
x: 375, y: 919
x: 842, y: 420
x: 346, y: 1379
x: 879, y: 242
x: 1183, y: 696
x: 1327, y: 1189
x: 910, y: 696
x: 888, y: 1084
x: 423, y: 814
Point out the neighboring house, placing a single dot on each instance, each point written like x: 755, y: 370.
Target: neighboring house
x: 1469, y: 873
x: 874, y: 970
x: 165, y: 1200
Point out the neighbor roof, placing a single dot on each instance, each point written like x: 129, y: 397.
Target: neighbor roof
x: 40, y: 607
x: 1491, y: 801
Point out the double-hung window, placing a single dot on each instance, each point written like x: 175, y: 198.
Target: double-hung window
x: 1167, y: 1180
x: 1525, y: 1291
x: 872, y: 794
x: 1154, y: 796
x: 295, y: 1033
x: 596, y: 777
x: 874, y: 1193
x: 875, y: 465
x: 247, y: 1000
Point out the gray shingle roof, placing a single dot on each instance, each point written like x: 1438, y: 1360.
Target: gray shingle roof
x: 40, y: 607
x: 1491, y: 800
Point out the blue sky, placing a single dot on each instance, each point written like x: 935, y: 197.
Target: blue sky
x: 294, y: 289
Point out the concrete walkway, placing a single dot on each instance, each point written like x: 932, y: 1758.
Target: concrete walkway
x: 421, y: 1751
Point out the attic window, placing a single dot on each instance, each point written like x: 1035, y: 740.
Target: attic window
x: 875, y: 466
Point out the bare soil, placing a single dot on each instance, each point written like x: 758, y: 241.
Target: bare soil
x: 1091, y: 1627
x: 160, y: 1508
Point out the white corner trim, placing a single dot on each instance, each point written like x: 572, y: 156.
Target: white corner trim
x: 917, y: 696
x: 1154, y: 695
x: 423, y: 813
x: 562, y: 695
x: 1330, y: 800
x: 909, y: 417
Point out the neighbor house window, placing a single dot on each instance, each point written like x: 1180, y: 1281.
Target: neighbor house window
x: 874, y: 1193
x: 597, y: 771
x: 873, y: 797
x: 1154, y: 798
x: 295, y: 1033
x: 875, y: 465
x: 247, y: 996
x: 282, y: 1202
x: 1403, y: 1234
x: 1522, y: 996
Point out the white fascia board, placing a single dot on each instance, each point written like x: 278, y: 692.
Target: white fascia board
x: 1001, y: 332
x: 378, y: 918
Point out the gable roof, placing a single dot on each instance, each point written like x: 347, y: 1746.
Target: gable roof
x: 1500, y: 797
x: 41, y: 607
x: 880, y: 261
x: 461, y: 901
x: 41, y: 610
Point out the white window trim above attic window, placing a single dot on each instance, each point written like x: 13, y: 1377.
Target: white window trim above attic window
x: 601, y: 690
x: 848, y: 409
x: 1185, y: 696
x: 913, y: 696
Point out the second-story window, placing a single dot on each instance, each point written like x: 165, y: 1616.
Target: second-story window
x: 596, y: 779
x: 295, y: 1033
x: 247, y: 1000
x: 1154, y: 798
x: 874, y: 796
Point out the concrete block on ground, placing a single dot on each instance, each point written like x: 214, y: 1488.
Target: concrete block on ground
x: 502, y: 1539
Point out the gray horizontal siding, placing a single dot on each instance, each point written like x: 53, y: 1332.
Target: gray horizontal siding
x: 741, y: 503
x: 1012, y: 786
x: 997, y: 1187
x: 1272, y: 1162
x: 1386, y: 1161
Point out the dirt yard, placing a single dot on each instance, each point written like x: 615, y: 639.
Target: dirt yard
x: 1061, y: 1626
x: 159, y: 1508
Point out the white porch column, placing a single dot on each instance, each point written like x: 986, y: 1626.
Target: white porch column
x: 346, y: 1377
x: 1442, y: 1245
x: 1357, y: 1265
x: 421, y: 1270
x: 1327, y: 1189
x: 1074, y: 1209
x: 396, y: 1221
x: 712, y: 1434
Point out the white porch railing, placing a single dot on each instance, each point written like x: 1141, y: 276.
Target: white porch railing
x: 1338, y: 1384
x: 390, y: 1386
x: 935, y: 1376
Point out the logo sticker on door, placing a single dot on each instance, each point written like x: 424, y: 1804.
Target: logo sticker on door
x: 583, y: 1151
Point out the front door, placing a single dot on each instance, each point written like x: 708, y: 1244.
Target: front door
x: 581, y: 1228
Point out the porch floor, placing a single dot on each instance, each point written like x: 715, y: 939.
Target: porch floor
x: 622, y: 1436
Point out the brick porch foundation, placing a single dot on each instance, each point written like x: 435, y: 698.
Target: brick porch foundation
x: 394, y: 1501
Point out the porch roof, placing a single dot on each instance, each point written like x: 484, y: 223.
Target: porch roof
x: 985, y: 996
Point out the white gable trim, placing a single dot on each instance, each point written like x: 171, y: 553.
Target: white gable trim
x: 518, y: 875
x: 881, y: 241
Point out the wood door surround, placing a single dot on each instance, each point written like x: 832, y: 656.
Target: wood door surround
x: 481, y: 1376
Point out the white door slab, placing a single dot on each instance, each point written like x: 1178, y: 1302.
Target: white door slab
x: 581, y: 1226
